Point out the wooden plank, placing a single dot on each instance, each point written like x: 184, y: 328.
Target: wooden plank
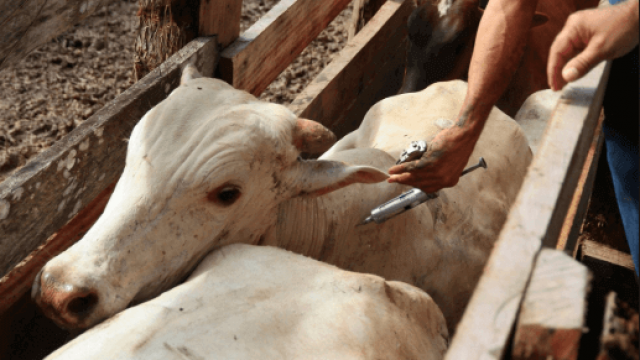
x: 262, y: 52
x: 45, y: 194
x: 537, y: 214
x: 370, y: 67
x: 220, y: 18
x: 164, y: 27
x: 595, y: 250
x: 18, y: 281
x: 363, y: 11
x: 568, y: 238
x: 552, y: 314
x: 26, y: 25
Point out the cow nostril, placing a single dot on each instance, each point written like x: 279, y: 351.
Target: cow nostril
x: 83, y: 304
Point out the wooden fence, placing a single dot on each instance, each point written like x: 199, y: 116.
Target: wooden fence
x: 47, y: 205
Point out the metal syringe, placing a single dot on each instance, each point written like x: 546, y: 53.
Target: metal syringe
x: 408, y: 200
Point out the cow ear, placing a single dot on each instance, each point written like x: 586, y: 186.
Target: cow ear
x: 318, y: 177
x: 189, y: 72
x: 312, y: 137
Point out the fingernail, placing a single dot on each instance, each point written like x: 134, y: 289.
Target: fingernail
x: 570, y: 74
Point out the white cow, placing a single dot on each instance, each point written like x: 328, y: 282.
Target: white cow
x: 260, y: 302
x: 212, y: 165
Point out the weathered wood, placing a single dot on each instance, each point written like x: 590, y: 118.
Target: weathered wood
x: 27, y: 24
x: 537, y: 214
x: 363, y: 11
x: 595, y: 250
x: 568, y: 238
x: 41, y: 197
x: 552, y: 315
x: 18, y: 281
x: 369, y: 68
x: 164, y: 27
x: 220, y: 18
x: 262, y: 52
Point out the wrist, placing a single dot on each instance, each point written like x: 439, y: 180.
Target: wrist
x: 472, y: 118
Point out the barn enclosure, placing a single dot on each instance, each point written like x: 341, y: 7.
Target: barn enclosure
x: 51, y: 202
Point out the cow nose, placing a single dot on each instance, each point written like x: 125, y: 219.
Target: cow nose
x: 67, y: 304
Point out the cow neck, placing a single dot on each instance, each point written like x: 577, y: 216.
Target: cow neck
x: 323, y: 227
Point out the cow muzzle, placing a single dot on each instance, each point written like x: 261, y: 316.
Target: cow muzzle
x: 71, y: 306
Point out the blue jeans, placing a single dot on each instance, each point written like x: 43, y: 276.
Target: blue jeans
x: 621, y: 109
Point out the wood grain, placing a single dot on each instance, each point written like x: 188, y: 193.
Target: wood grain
x: 552, y: 314
x: 25, y: 25
x: 38, y: 199
x: 368, y: 69
x: 220, y: 18
x: 537, y: 214
x: 164, y: 27
x: 262, y: 52
x: 568, y: 238
x: 595, y: 250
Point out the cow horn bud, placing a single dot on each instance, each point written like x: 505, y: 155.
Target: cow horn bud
x: 312, y: 137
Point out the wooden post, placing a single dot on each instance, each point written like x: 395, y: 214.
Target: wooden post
x: 221, y: 18
x: 165, y: 26
x: 552, y: 315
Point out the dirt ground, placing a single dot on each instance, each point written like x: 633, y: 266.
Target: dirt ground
x: 64, y: 82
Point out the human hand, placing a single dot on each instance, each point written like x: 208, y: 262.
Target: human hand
x: 441, y: 165
x: 589, y: 37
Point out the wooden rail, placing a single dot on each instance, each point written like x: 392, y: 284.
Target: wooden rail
x: 262, y: 52
x: 367, y: 70
x: 536, y: 215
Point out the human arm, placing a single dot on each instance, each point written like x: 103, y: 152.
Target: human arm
x: 589, y: 37
x: 498, y: 50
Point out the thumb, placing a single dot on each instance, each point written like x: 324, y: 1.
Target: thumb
x: 581, y: 64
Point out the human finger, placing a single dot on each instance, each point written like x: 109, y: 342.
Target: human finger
x: 409, y: 166
x: 403, y: 178
x: 565, y: 46
x: 426, y: 185
x: 582, y: 63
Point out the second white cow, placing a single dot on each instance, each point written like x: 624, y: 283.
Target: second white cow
x: 212, y: 165
x: 259, y: 302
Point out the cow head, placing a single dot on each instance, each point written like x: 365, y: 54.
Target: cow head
x: 441, y: 37
x: 206, y: 167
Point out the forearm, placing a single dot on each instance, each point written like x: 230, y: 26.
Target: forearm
x: 499, y: 46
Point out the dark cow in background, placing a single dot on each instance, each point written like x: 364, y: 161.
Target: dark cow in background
x: 442, y: 34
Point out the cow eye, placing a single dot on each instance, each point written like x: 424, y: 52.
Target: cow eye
x: 225, y: 195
